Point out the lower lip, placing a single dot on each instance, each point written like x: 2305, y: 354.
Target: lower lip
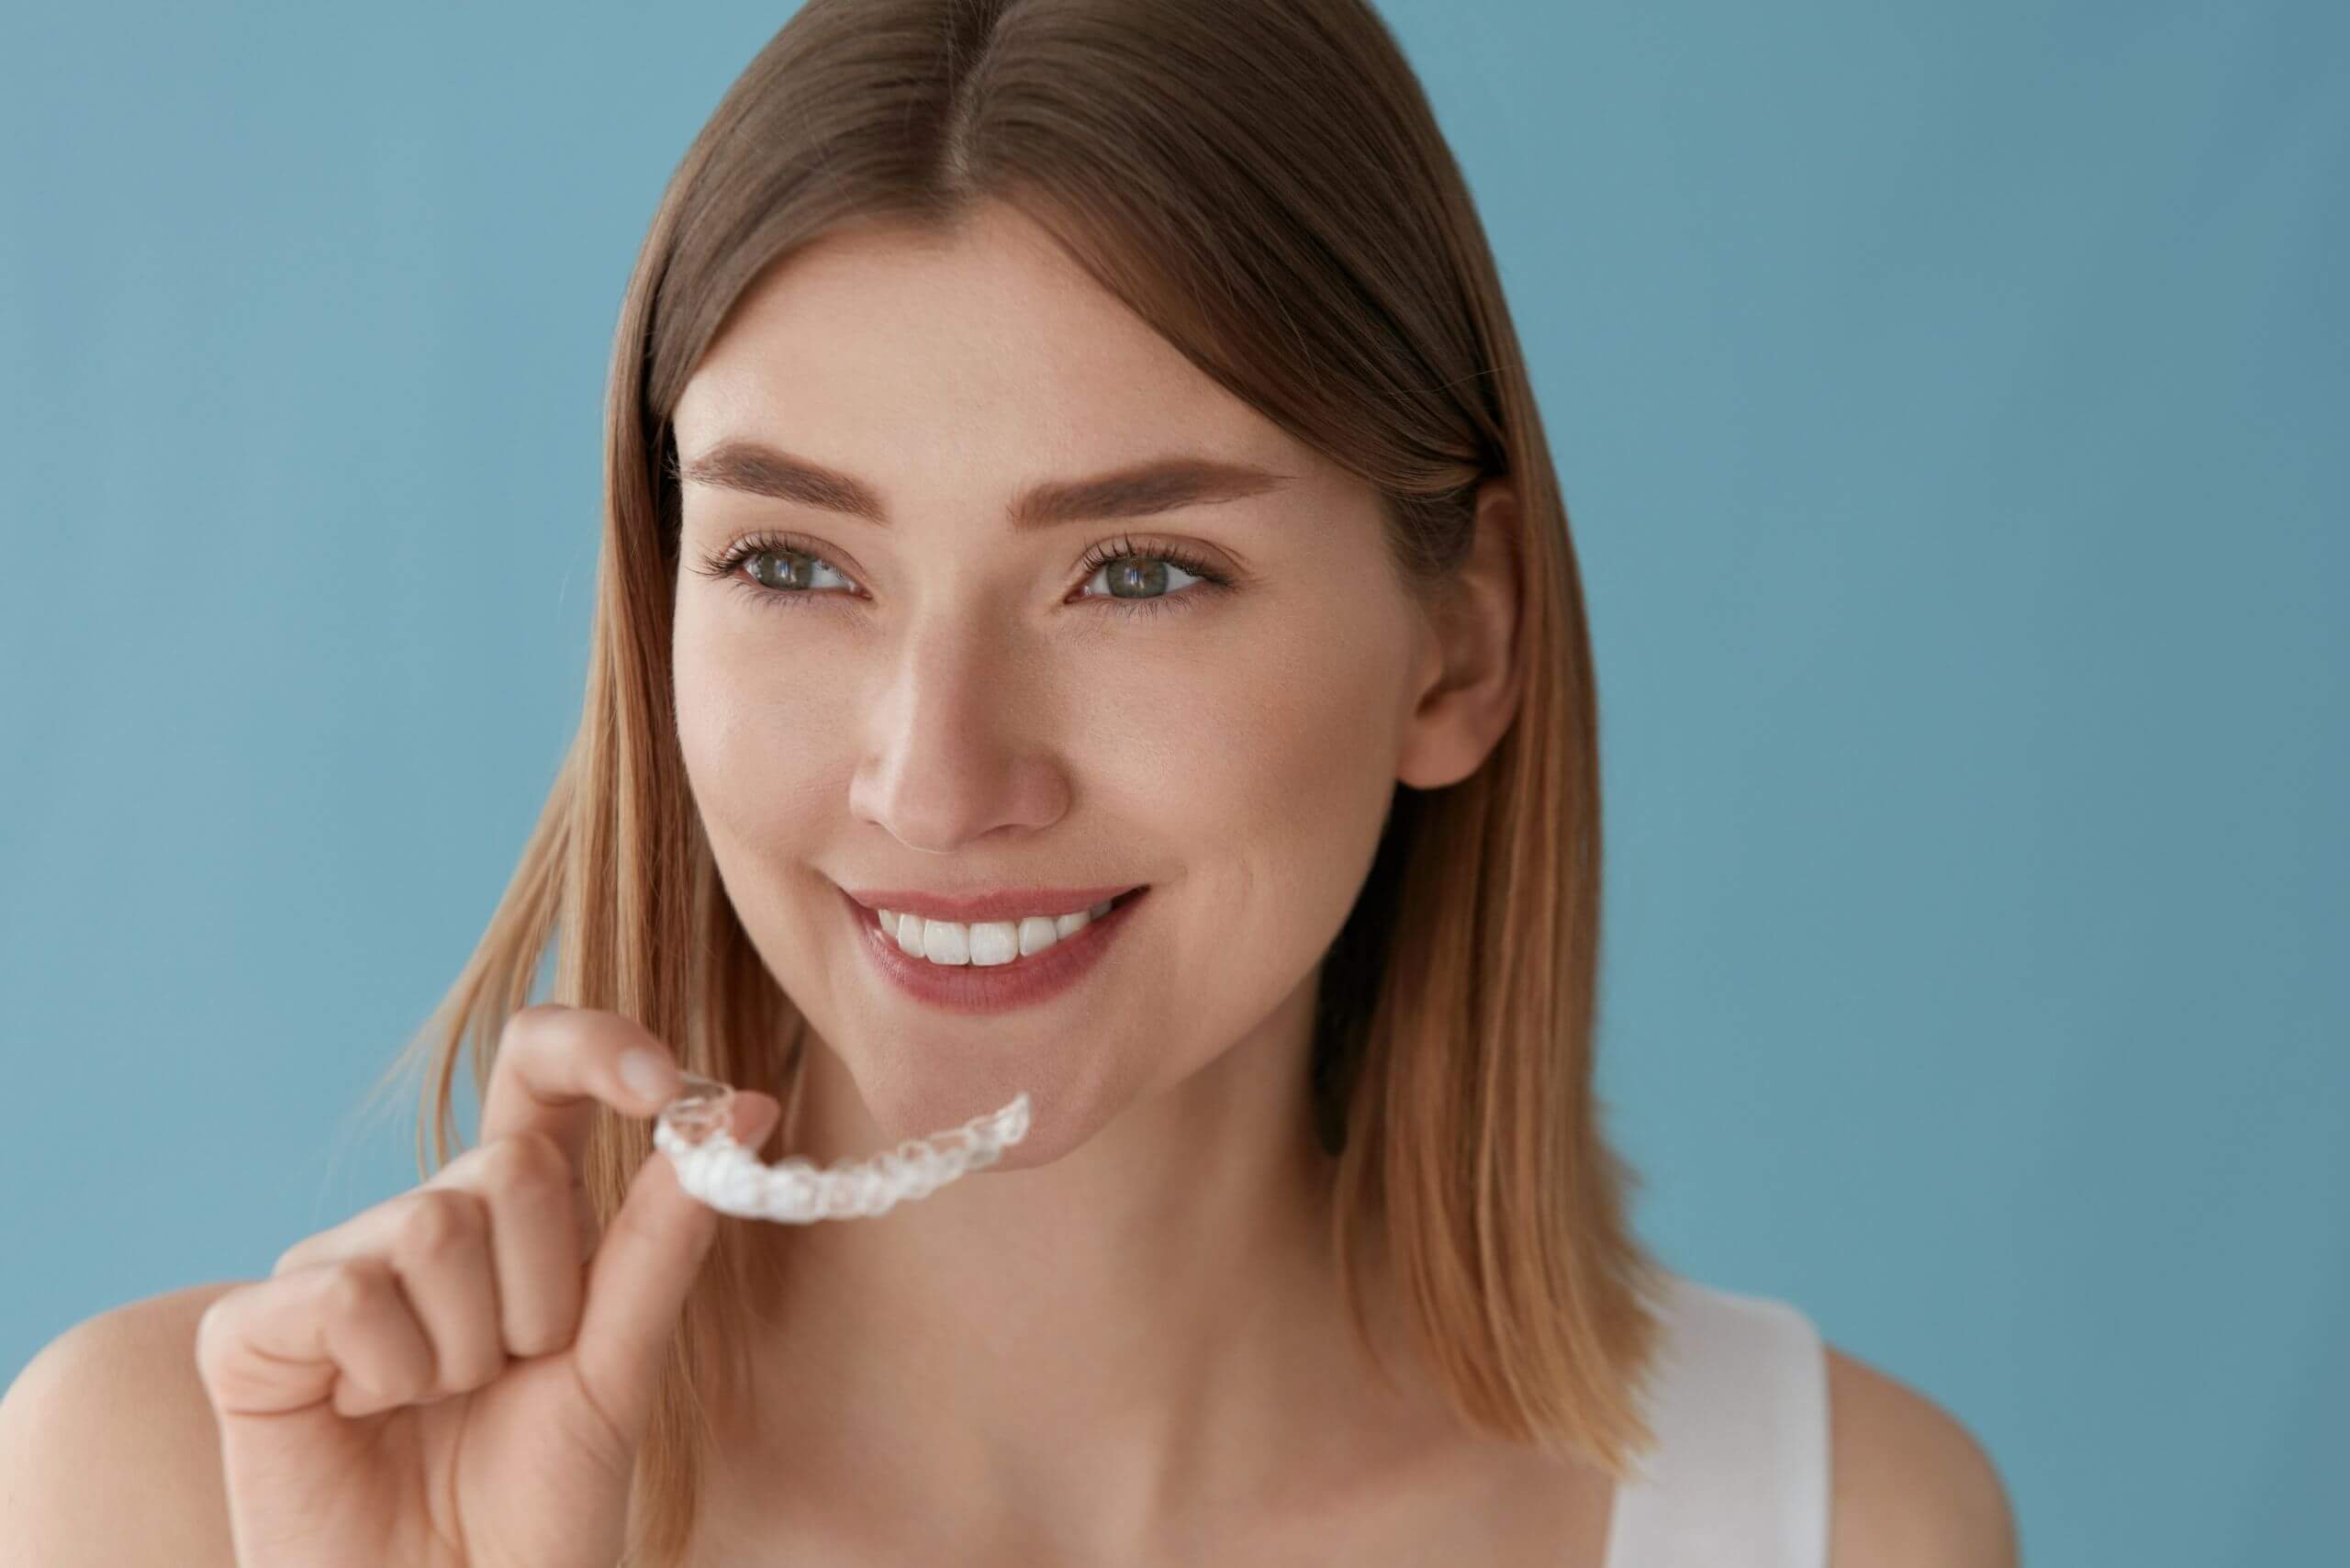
x: 993, y: 988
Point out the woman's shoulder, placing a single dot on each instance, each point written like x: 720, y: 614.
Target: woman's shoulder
x: 108, y: 1451
x: 1908, y: 1482
x: 1839, y: 1452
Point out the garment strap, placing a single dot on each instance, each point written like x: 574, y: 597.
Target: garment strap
x: 1739, y: 1477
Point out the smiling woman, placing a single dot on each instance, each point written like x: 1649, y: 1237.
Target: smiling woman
x: 1185, y: 631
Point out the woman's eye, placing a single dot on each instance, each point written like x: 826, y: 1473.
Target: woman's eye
x: 1141, y: 577
x: 1135, y: 574
x: 794, y: 575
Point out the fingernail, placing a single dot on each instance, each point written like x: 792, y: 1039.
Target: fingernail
x: 646, y: 1072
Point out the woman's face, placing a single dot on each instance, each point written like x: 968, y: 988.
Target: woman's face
x: 945, y: 702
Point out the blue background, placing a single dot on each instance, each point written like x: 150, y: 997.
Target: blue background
x: 1950, y: 404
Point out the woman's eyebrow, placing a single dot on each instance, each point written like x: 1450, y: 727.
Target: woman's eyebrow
x: 1140, y: 489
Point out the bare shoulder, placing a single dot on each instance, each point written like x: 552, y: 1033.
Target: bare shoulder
x: 1911, y: 1486
x: 108, y: 1453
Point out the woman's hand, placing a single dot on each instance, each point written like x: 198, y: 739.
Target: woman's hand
x: 460, y: 1377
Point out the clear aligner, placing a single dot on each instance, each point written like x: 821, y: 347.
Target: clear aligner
x: 693, y: 1130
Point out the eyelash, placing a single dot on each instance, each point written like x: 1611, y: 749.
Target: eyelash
x: 723, y: 563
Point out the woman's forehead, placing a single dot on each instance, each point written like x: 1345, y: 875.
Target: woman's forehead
x: 991, y: 335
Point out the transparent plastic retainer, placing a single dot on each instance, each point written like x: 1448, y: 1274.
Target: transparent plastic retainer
x: 692, y: 1130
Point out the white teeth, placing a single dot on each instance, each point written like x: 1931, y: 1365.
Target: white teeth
x: 946, y: 942
x: 986, y: 942
x: 907, y: 930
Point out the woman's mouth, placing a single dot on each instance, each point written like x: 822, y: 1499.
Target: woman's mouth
x: 921, y: 958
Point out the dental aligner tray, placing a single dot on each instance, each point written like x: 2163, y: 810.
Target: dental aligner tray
x: 693, y: 1131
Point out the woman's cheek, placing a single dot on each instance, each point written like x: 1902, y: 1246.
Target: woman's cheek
x: 754, y: 754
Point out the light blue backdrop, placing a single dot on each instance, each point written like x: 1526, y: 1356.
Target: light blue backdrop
x: 1952, y: 403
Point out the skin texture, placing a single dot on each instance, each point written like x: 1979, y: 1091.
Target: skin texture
x: 957, y: 706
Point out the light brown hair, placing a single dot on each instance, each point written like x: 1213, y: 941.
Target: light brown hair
x: 1263, y: 182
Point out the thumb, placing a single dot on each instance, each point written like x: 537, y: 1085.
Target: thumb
x: 641, y: 1272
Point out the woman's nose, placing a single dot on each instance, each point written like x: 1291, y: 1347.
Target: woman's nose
x: 962, y: 741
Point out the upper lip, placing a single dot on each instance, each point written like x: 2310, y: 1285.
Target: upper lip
x: 1005, y: 904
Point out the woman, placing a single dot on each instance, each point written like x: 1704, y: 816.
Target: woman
x: 1085, y: 609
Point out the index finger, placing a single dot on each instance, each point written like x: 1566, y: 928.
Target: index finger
x: 555, y: 1063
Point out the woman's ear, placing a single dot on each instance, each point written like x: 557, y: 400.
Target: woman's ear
x: 1474, y: 677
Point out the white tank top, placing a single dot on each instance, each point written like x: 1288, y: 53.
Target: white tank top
x: 1739, y: 1478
